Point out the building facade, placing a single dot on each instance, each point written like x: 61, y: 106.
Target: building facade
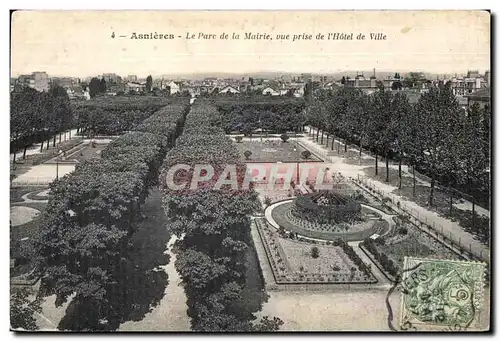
x: 37, y: 80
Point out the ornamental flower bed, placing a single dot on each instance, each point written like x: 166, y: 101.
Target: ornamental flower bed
x: 390, y: 252
x: 292, y: 262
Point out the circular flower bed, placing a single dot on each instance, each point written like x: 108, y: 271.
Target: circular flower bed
x: 327, y: 207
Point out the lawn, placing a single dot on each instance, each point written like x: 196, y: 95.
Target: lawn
x: 441, y: 205
x: 17, y: 192
x: 254, y: 294
x: 273, y: 151
x: 81, y: 153
x: 87, y: 152
x: 39, y: 194
x: 298, y: 255
x: 29, y: 230
x: 352, y: 154
x: 406, y: 179
x: 441, y: 202
x: 415, y: 243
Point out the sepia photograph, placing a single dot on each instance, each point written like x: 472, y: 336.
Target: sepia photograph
x: 250, y: 171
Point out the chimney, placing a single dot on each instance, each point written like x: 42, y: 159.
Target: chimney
x: 374, y: 73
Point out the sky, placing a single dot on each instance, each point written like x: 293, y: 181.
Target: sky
x: 79, y: 43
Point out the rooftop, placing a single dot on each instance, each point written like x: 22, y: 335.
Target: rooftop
x: 483, y: 93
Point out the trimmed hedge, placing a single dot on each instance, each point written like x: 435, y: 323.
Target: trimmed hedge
x: 92, y: 212
x: 215, y: 224
x: 269, y: 114
x: 381, y: 257
x: 115, y: 115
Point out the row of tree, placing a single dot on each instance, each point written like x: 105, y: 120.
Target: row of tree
x: 38, y: 117
x: 115, y: 115
x: 215, y: 226
x: 270, y: 115
x: 84, y: 238
x: 434, y: 135
x: 99, y: 86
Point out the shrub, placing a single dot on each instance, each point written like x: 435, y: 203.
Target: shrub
x: 337, y: 242
x: 284, y: 137
x: 267, y: 201
x: 239, y: 139
x: 247, y: 154
x: 306, y: 154
x: 358, y: 196
x: 314, y: 252
x: 403, y: 231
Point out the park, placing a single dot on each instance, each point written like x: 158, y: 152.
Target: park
x: 234, y: 258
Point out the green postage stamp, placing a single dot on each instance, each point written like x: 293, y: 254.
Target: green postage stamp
x: 441, y: 294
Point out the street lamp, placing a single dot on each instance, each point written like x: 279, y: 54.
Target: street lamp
x: 57, y: 164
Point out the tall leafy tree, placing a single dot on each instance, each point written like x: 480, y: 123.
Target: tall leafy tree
x: 469, y: 149
x: 102, y: 86
x: 149, y: 83
x: 94, y: 87
x: 23, y: 309
x: 412, y: 79
x: 438, y: 115
x: 380, y: 132
x: 399, y: 130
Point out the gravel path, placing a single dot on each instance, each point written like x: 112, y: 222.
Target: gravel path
x: 171, y: 312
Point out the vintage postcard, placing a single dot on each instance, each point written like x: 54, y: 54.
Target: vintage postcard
x: 250, y: 171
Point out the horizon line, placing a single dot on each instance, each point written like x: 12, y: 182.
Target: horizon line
x: 177, y: 74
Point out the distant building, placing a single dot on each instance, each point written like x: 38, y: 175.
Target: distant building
x: 331, y: 86
x: 175, y: 87
x: 65, y: 82
x: 473, y: 74
x: 466, y: 86
x: 37, y: 80
x: 132, y: 78
x: 41, y: 81
x: 487, y: 77
x: 115, y: 89
x: 229, y: 89
x: 111, y: 78
x: 133, y: 86
x: 481, y: 97
x: 201, y: 90
x: 24, y: 81
x: 305, y: 77
x: 271, y: 91
x: 361, y: 83
x: 159, y: 83
x: 75, y: 91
